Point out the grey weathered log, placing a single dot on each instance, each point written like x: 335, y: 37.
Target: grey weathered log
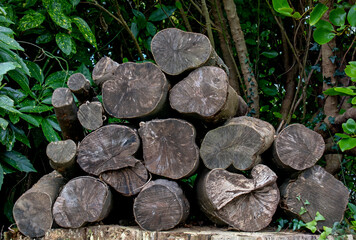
x: 333, y: 163
x: 139, y: 90
x: 325, y: 195
x: 237, y: 144
x: 161, y: 205
x: 82, y: 200
x: 104, y: 70
x: 129, y: 180
x: 243, y: 108
x: 297, y: 148
x: 61, y: 156
x: 66, y: 113
x: 244, y: 204
x: 90, y: 115
x: 109, y: 148
x: 169, y: 147
x: 33, y: 209
x: 80, y: 86
x: 206, y: 94
x: 176, y: 51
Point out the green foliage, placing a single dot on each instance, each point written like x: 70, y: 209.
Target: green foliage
x: 31, y: 20
x: 348, y: 140
x: 317, y: 13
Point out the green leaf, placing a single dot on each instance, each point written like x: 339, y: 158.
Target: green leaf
x: 323, y: 35
x: 36, y: 109
x: 347, y: 144
x: 6, y: 30
x: 340, y: 91
x: 3, y: 123
x: 7, y: 138
x: 134, y: 29
x: 57, y: 79
x: 20, y: 136
x: 75, y: 2
x: 22, y: 80
x: 30, y: 119
x: 55, y: 12
x: 35, y: 71
x: 64, y: 42
x: 15, y: 94
x: 341, y: 135
x: 297, y: 15
x: 317, y: 13
x: 352, y: 207
x: 85, y: 30
x: 350, y: 71
x: 10, y: 42
x: 5, y: 20
x: 44, y: 38
x: 7, y: 104
x: 31, y: 20
x: 161, y: 13
x: 10, y: 56
x: 17, y: 161
x: 54, y: 123
x: 353, y: 101
x: 270, y: 54
x: 302, y: 211
x: 322, y: 24
x: 48, y: 131
x: 311, y: 226
x: 337, y: 16
x: 319, y: 217
x: 14, y: 117
x: 277, y: 115
x: 282, y: 7
x: 8, y: 66
x: 1, y: 176
x: 151, y: 28
x: 140, y: 19
x: 351, y: 125
x: 351, y: 16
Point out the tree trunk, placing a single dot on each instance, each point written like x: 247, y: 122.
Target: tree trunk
x: 237, y: 144
x: 205, y: 94
x: 169, y: 147
x: 83, y: 199
x: 80, y: 86
x: 317, y: 191
x: 109, y: 148
x: 176, y: 51
x: 161, y: 205
x: 66, y: 113
x: 90, y: 115
x: 104, y: 70
x: 245, y: 204
x: 138, y: 90
x: 33, y: 210
x: 297, y: 148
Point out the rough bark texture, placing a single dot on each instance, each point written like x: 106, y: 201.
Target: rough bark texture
x: 104, y: 70
x: 297, y: 148
x: 109, y: 148
x: 90, y: 115
x: 33, y: 210
x: 80, y: 86
x: 161, y: 205
x: 333, y: 163
x: 62, y: 155
x: 83, y: 199
x: 138, y: 90
x: 245, y: 204
x: 66, y: 113
x: 326, y: 195
x: 237, y: 144
x: 129, y: 180
x: 205, y: 93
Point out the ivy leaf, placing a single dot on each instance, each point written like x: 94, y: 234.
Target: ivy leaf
x: 319, y: 217
x: 44, y: 38
x: 31, y: 20
x: 35, y: 71
x: 311, y: 226
x: 3, y: 123
x: 10, y: 42
x: 55, y: 12
x: 17, y: 161
x: 282, y: 7
x: 317, y: 13
x: 64, y: 42
x: 8, y: 66
x: 337, y: 16
x: 85, y: 30
x: 347, y: 144
x: 270, y: 54
x: 161, y: 13
x: 48, y: 131
x: 302, y: 211
x: 351, y: 16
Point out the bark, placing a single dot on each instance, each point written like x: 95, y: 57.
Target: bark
x: 80, y: 86
x: 104, y: 70
x: 90, y: 115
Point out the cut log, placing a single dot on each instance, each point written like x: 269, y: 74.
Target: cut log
x: 333, y: 163
x: 321, y: 190
x: 61, y: 156
x: 169, y: 147
x: 176, y: 51
x: 205, y: 94
x: 129, y: 180
x: 243, y: 108
x: 82, y: 200
x: 139, y: 90
x: 161, y: 205
x: 90, y: 115
x: 33, y: 210
x: 297, y: 148
x: 109, y: 148
x: 66, y: 113
x: 80, y: 86
x: 244, y: 204
x: 237, y: 144
x: 104, y: 70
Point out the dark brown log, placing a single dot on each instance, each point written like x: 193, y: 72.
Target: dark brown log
x: 61, y: 156
x: 237, y: 144
x: 333, y: 163
x: 243, y: 203
x: 297, y: 148
x: 90, y: 115
x: 66, y: 113
x: 169, y: 147
x: 104, y: 70
x: 83, y: 199
x: 139, y: 90
x: 243, y: 108
x: 161, y: 205
x: 325, y: 195
x: 33, y: 210
x: 176, y: 51
x: 109, y: 148
x: 129, y: 180
x: 205, y: 94
x: 80, y: 86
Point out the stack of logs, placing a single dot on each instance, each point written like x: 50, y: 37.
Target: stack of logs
x: 194, y: 117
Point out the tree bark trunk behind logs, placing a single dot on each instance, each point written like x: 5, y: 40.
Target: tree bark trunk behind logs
x: 161, y: 205
x: 245, y: 204
x: 83, y: 199
x: 297, y: 148
x: 176, y: 51
x: 169, y: 147
x: 237, y: 144
x: 326, y: 195
x: 90, y: 115
x: 109, y: 148
x: 80, y: 86
x: 104, y: 70
x: 33, y: 210
x: 138, y: 90
x: 205, y: 94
